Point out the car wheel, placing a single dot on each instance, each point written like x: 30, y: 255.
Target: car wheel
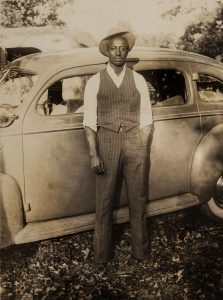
x: 213, y: 209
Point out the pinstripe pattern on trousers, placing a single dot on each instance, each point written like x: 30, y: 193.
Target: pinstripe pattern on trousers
x: 121, y: 147
x: 127, y: 152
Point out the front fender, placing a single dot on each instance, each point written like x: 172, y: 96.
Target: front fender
x: 11, y: 210
x: 207, y: 164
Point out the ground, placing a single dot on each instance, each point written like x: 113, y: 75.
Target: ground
x: 186, y: 263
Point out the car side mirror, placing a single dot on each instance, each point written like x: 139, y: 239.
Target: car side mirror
x: 195, y: 76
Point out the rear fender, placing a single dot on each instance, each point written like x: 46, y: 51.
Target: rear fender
x: 207, y: 165
x: 11, y: 210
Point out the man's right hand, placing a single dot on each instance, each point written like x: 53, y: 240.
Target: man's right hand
x: 96, y: 162
x: 97, y: 165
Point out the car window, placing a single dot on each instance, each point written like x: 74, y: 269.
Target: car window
x: 166, y: 87
x: 210, y: 89
x: 65, y: 96
x: 14, y: 86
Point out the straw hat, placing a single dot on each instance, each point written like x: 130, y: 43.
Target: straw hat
x: 115, y: 33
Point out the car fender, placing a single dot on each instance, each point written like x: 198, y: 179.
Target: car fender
x: 207, y: 164
x: 11, y: 208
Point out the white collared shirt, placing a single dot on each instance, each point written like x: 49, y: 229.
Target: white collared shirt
x: 92, y: 88
x: 116, y: 78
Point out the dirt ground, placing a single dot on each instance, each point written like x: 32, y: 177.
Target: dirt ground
x: 186, y: 263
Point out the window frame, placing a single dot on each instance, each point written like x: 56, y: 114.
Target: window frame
x: 186, y: 90
x: 216, y: 79
x: 190, y: 108
x: 207, y: 108
x: 34, y: 122
x: 53, y: 82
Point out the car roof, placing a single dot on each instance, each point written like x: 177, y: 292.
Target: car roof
x: 44, y: 61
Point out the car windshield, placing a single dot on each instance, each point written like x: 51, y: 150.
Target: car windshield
x: 14, y: 86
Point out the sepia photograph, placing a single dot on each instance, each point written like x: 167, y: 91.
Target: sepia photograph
x: 111, y: 149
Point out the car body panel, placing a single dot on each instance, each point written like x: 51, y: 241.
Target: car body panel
x: 207, y: 165
x: 11, y: 158
x: 168, y: 147
x: 61, y: 184
x: 11, y: 209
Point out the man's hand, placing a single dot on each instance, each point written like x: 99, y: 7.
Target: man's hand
x: 97, y: 165
x: 144, y: 132
x: 96, y: 162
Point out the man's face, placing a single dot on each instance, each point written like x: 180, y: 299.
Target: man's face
x: 118, y: 49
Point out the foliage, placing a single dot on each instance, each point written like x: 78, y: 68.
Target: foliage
x: 205, y: 37
x: 16, y: 13
x: 158, y: 29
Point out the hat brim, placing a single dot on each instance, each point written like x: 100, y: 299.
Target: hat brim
x: 103, y: 48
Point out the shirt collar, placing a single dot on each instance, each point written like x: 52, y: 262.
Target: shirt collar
x: 111, y: 71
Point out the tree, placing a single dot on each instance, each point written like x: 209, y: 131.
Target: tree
x: 16, y: 13
x: 205, y: 38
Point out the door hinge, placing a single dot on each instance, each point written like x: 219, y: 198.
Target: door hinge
x: 27, y: 206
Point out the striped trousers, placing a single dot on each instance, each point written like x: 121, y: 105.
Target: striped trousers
x: 126, y: 152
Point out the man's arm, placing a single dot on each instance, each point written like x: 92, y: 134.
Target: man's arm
x: 90, y: 122
x: 145, y: 104
x: 96, y: 162
x: 146, y: 118
x: 145, y: 132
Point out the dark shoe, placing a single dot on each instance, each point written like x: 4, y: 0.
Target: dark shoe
x: 145, y: 257
x: 100, y: 266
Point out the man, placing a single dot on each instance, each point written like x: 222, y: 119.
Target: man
x: 117, y: 121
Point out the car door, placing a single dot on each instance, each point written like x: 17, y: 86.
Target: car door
x: 176, y: 128
x: 58, y: 178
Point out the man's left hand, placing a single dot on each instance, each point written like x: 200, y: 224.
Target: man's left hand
x: 144, y: 132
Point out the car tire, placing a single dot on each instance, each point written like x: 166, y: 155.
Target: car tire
x: 213, y: 209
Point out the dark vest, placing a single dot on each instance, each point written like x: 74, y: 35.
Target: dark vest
x: 118, y: 107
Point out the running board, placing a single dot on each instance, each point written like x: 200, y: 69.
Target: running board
x: 42, y: 230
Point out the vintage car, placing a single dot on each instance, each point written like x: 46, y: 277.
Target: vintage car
x: 47, y: 185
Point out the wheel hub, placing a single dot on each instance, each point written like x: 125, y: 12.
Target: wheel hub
x: 218, y: 197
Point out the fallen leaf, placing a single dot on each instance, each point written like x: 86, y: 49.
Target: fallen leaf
x: 179, y: 275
